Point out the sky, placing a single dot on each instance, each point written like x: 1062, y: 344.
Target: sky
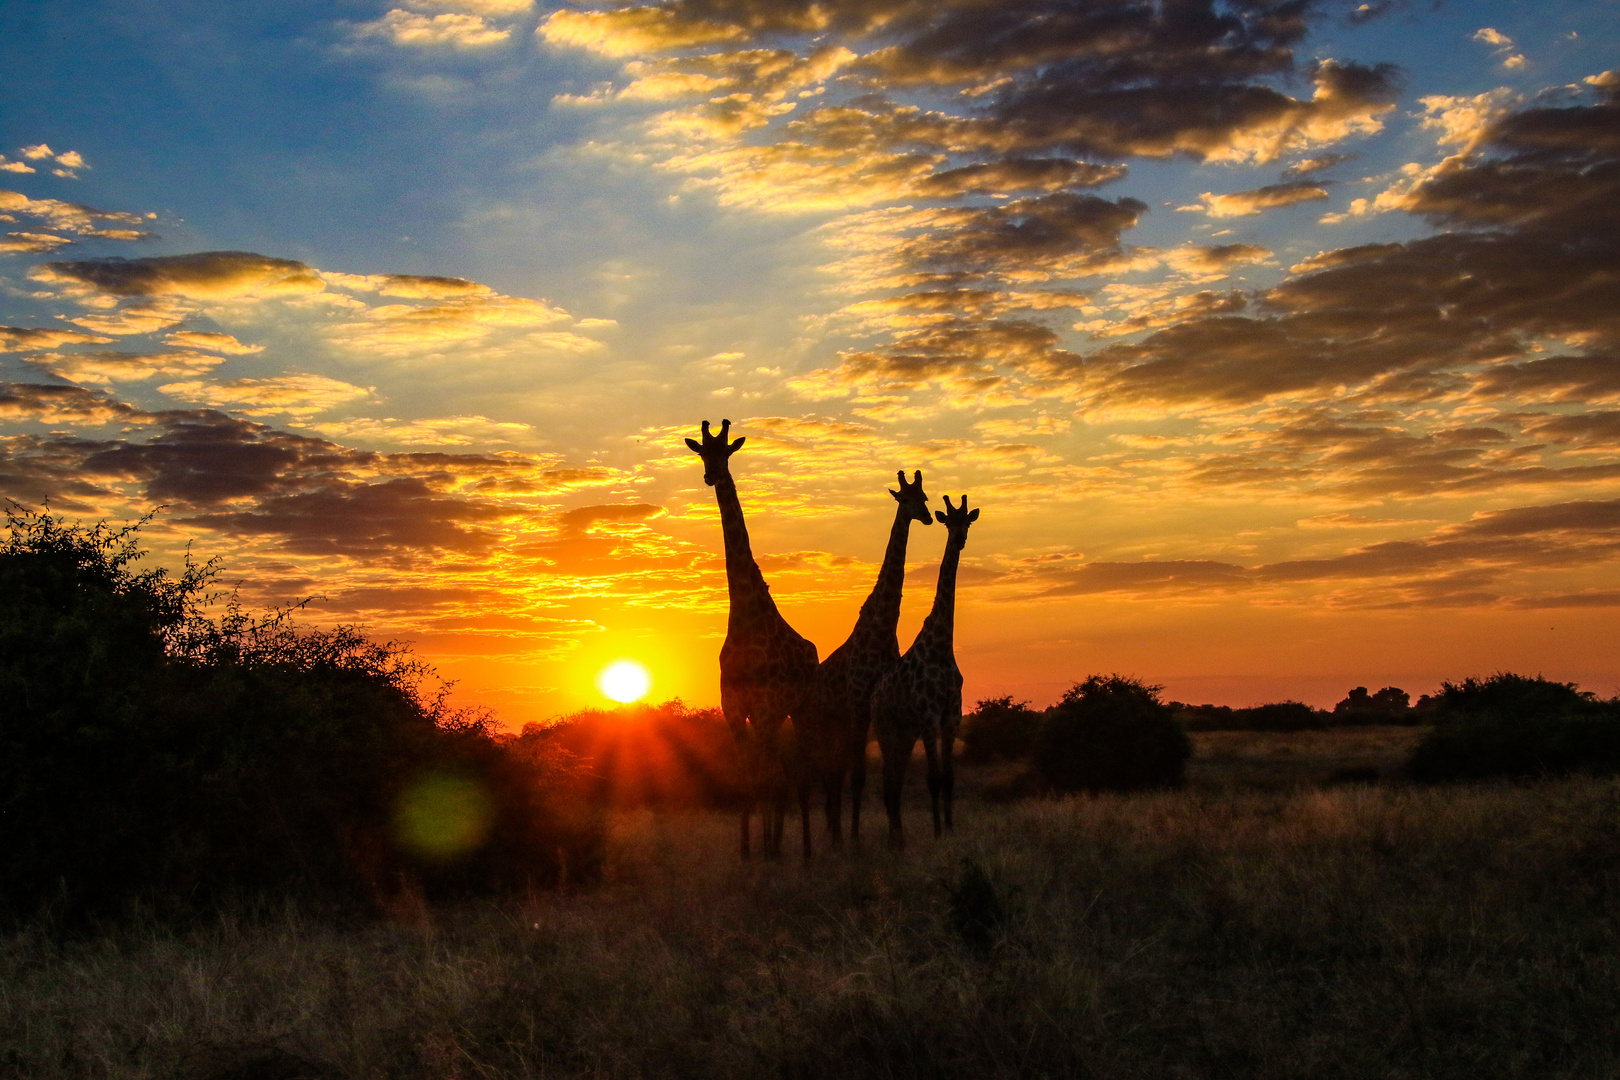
x: 1278, y: 341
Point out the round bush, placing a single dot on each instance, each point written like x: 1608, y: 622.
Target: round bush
x: 1516, y: 726
x: 999, y: 727
x: 1112, y: 733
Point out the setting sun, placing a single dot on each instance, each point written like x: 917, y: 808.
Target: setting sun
x: 624, y: 681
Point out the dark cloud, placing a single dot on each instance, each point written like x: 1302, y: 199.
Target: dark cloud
x: 1063, y: 109
x: 40, y: 469
x: 963, y: 353
x: 1018, y: 174
x: 1320, y: 453
x: 1532, y: 258
x: 1592, y: 377
x: 363, y: 520
x: 1316, y: 163
x: 1094, y: 45
x: 53, y: 403
x: 1033, y: 238
x: 204, y: 274
x: 1270, y: 197
x: 1480, y: 561
x: 22, y: 338
x: 202, y: 458
x: 251, y: 480
x: 1593, y: 428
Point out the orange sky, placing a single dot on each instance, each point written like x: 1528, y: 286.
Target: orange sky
x: 1278, y: 347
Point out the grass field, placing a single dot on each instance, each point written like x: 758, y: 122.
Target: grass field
x: 1257, y: 927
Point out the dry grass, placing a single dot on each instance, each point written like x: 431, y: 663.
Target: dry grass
x: 1351, y: 932
x: 1280, y: 760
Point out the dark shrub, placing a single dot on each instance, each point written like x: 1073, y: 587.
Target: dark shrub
x: 149, y: 753
x: 1276, y: 716
x: 1281, y: 716
x: 1111, y: 733
x: 1391, y: 705
x: 999, y: 727
x: 639, y: 755
x: 978, y: 909
x: 1516, y: 726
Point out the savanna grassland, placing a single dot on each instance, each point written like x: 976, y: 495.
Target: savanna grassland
x: 1258, y: 923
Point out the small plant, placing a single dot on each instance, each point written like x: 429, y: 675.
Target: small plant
x: 978, y: 909
x: 1112, y: 733
x: 1516, y: 726
x: 999, y: 727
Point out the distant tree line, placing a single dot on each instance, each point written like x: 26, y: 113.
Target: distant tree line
x: 1114, y: 733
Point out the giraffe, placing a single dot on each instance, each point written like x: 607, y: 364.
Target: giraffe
x: 831, y: 730
x: 765, y: 666
x: 922, y: 694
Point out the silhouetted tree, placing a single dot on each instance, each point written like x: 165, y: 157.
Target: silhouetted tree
x: 149, y: 752
x: 1391, y: 705
x: 1111, y: 733
x: 999, y: 727
x: 1516, y: 726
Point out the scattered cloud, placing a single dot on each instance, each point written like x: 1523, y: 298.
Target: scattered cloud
x: 287, y: 395
x: 1270, y: 197
x: 451, y: 29
x: 212, y: 341
x: 103, y: 368
x: 427, y: 431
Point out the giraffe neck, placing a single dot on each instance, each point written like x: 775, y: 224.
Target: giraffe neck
x: 938, y: 628
x: 744, y: 582
x: 881, y: 612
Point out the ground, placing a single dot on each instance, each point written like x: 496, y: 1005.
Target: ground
x: 1264, y: 929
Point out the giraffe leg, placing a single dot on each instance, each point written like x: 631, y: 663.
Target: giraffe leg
x: 804, y: 816
x: 778, y: 804
x: 949, y: 777
x: 833, y: 788
x: 894, y: 778
x: 857, y: 786
x: 930, y: 741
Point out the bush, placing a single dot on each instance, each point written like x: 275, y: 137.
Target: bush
x: 1517, y: 726
x: 999, y: 727
x: 643, y: 755
x: 1112, y: 733
x: 1276, y: 716
x: 1282, y: 716
x: 148, y: 753
x: 1391, y: 705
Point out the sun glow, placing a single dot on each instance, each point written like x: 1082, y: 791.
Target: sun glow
x: 624, y: 681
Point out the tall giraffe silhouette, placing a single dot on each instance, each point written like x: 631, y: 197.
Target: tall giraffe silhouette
x: 765, y: 666
x: 921, y: 696
x: 831, y: 729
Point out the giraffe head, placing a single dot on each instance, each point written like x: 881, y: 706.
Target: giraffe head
x: 956, y: 520
x: 716, y: 452
x: 913, y: 503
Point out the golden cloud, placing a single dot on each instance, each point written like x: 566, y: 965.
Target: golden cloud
x: 288, y: 395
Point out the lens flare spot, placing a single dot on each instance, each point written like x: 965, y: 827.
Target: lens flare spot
x: 624, y: 681
x: 442, y: 815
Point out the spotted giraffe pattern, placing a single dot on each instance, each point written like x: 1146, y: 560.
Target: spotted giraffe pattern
x: 921, y: 696
x: 766, y: 667
x: 831, y: 729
